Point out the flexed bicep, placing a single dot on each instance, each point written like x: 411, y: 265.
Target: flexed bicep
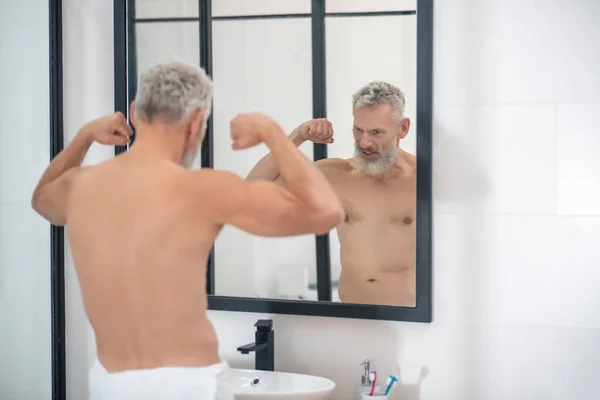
x: 262, y: 208
x: 271, y: 210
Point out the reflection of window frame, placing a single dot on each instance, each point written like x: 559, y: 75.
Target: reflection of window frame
x: 125, y: 90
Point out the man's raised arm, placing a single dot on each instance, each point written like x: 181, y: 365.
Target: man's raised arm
x: 316, y: 130
x: 307, y: 204
x: 51, y: 194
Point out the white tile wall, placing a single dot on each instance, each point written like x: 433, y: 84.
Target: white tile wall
x: 24, y: 99
x: 25, y: 336
x: 549, y: 266
x: 578, y: 159
x: 512, y: 149
x: 25, y: 332
x: 516, y: 51
x: 516, y: 262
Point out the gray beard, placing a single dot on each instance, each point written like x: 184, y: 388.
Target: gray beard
x: 380, y: 166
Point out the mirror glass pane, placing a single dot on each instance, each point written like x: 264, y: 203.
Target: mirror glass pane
x: 165, y: 41
x: 166, y: 8
x: 264, y: 66
x: 373, y: 250
x: 223, y: 8
x: 355, y: 6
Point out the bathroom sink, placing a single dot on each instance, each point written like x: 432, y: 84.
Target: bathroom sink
x: 250, y: 384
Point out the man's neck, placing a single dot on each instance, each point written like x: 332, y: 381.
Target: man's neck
x: 393, y: 173
x: 158, y: 142
x: 405, y: 163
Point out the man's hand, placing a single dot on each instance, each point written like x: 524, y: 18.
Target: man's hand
x: 112, y: 129
x: 251, y: 129
x: 317, y: 131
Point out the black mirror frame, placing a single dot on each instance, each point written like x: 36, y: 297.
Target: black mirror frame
x: 57, y: 235
x: 125, y: 89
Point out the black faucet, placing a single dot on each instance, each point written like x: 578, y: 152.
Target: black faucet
x: 264, y: 346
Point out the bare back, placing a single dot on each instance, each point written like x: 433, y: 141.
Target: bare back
x: 377, y: 236
x: 140, y: 248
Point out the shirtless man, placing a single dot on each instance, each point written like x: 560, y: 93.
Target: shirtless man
x: 141, y: 226
x: 377, y: 188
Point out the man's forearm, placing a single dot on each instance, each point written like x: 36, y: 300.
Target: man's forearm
x: 71, y: 156
x: 267, y: 168
x: 300, y: 175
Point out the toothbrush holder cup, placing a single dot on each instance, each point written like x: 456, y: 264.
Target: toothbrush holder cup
x: 376, y: 395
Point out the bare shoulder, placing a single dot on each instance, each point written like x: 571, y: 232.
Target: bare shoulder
x: 408, y: 162
x: 410, y: 158
x: 335, y: 165
x: 94, y: 178
x: 86, y: 173
x: 214, y: 182
x: 208, y: 175
x: 220, y: 191
x: 80, y: 176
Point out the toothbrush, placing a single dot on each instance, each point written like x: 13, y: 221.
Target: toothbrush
x: 373, y: 378
x: 391, y: 382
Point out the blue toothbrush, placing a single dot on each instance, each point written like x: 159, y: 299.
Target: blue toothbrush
x: 391, y: 382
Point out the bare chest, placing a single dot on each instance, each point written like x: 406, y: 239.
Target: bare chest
x: 379, y: 207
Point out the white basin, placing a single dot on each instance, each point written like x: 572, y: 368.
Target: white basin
x: 248, y: 384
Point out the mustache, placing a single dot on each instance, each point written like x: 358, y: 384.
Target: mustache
x: 369, y: 149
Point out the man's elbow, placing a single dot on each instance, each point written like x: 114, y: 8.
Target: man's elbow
x: 37, y: 206
x: 37, y: 203
x: 329, y: 219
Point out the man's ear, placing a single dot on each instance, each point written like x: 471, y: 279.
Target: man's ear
x: 196, y: 121
x: 132, y: 118
x: 194, y: 126
x: 404, y: 127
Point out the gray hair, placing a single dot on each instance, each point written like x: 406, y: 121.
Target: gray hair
x: 172, y: 91
x: 378, y: 92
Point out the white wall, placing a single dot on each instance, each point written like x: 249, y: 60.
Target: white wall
x: 517, y: 277
x: 25, y: 332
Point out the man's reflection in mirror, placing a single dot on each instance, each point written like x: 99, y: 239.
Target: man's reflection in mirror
x: 377, y: 186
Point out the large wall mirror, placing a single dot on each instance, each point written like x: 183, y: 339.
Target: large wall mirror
x: 302, y: 61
